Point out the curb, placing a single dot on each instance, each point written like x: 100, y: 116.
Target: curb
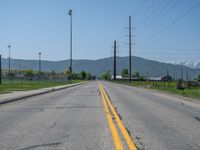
x: 39, y: 93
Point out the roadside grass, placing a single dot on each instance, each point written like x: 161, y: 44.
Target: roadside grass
x: 169, y: 87
x: 8, y: 86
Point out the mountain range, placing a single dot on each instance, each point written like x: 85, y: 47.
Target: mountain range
x: 146, y: 67
x: 195, y: 64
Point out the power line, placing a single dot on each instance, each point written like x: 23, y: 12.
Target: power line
x: 159, y: 16
x: 176, y: 20
x: 148, y: 13
x: 163, y: 53
x: 122, y: 31
x: 159, y: 48
x: 139, y: 8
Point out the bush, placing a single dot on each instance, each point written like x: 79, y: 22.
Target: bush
x: 106, y: 75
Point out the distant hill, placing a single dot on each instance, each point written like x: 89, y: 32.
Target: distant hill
x: 195, y: 64
x: 146, y: 67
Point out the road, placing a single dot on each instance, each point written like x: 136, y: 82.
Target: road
x: 75, y: 118
x: 157, y: 121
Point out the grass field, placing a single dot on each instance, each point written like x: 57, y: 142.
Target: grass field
x: 7, y: 87
x: 170, y: 87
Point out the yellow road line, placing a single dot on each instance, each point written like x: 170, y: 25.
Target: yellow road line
x: 125, y: 133
x: 115, y: 135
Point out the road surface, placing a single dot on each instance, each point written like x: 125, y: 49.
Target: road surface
x: 157, y: 121
x: 75, y: 118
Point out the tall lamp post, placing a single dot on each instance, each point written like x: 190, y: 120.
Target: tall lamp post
x: 130, y: 61
x: 39, y: 65
x: 70, y: 14
x: 39, y: 62
x: 9, y: 58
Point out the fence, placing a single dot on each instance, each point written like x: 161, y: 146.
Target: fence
x: 33, y: 79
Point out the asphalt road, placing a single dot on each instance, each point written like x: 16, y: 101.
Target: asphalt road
x: 70, y: 119
x: 157, y: 121
x: 75, y: 118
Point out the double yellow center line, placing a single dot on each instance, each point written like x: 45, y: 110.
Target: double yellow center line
x: 110, y: 110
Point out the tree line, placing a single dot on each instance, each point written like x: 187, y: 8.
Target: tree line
x: 124, y: 74
x: 32, y: 74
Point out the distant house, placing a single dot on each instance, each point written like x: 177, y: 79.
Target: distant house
x: 162, y: 78
x: 155, y: 79
x: 19, y: 74
x: 118, y: 77
x: 166, y: 78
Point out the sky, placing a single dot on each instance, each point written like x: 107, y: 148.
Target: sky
x: 163, y: 30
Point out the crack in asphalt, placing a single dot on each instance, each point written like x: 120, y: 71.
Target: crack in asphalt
x: 197, y: 118
x: 41, y: 145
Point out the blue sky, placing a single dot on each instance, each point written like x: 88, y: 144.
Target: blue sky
x: 31, y: 26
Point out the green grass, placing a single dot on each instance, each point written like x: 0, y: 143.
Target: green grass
x: 8, y: 86
x: 169, y: 87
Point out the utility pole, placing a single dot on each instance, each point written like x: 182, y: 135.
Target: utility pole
x: 9, y: 58
x: 19, y: 65
x: 39, y: 62
x: 19, y: 68
x: 70, y: 14
x: 174, y: 74
x: 0, y: 69
x: 187, y: 75
x: 167, y: 72
x: 114, y: 63
x: 130, y: 49
x: 182, y: 73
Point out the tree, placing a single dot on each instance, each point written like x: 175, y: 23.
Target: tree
x: 198, y: 78
x: 88, y: 76
x: 83, y: 75
x: 74, y: 75
x: 106, y: 75
x: 53, y: 74
x: 136, y: 74
x: 10, y: 74
x: 39, y: 73
x: 94, y: 77
x: 67, y: 73
x: 28, y: 73
x: 124, y: 73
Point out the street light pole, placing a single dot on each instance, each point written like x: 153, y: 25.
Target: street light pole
x: 114, y: 67
x: 130, y: 73
x: 39, y: 62
x: 9, y: 58
x: 70, y: 14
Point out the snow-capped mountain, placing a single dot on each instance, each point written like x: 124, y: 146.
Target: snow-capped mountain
x: 195, y: 64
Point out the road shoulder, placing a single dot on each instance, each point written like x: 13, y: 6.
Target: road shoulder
x: 18, y: 95
x: 177, y: 98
